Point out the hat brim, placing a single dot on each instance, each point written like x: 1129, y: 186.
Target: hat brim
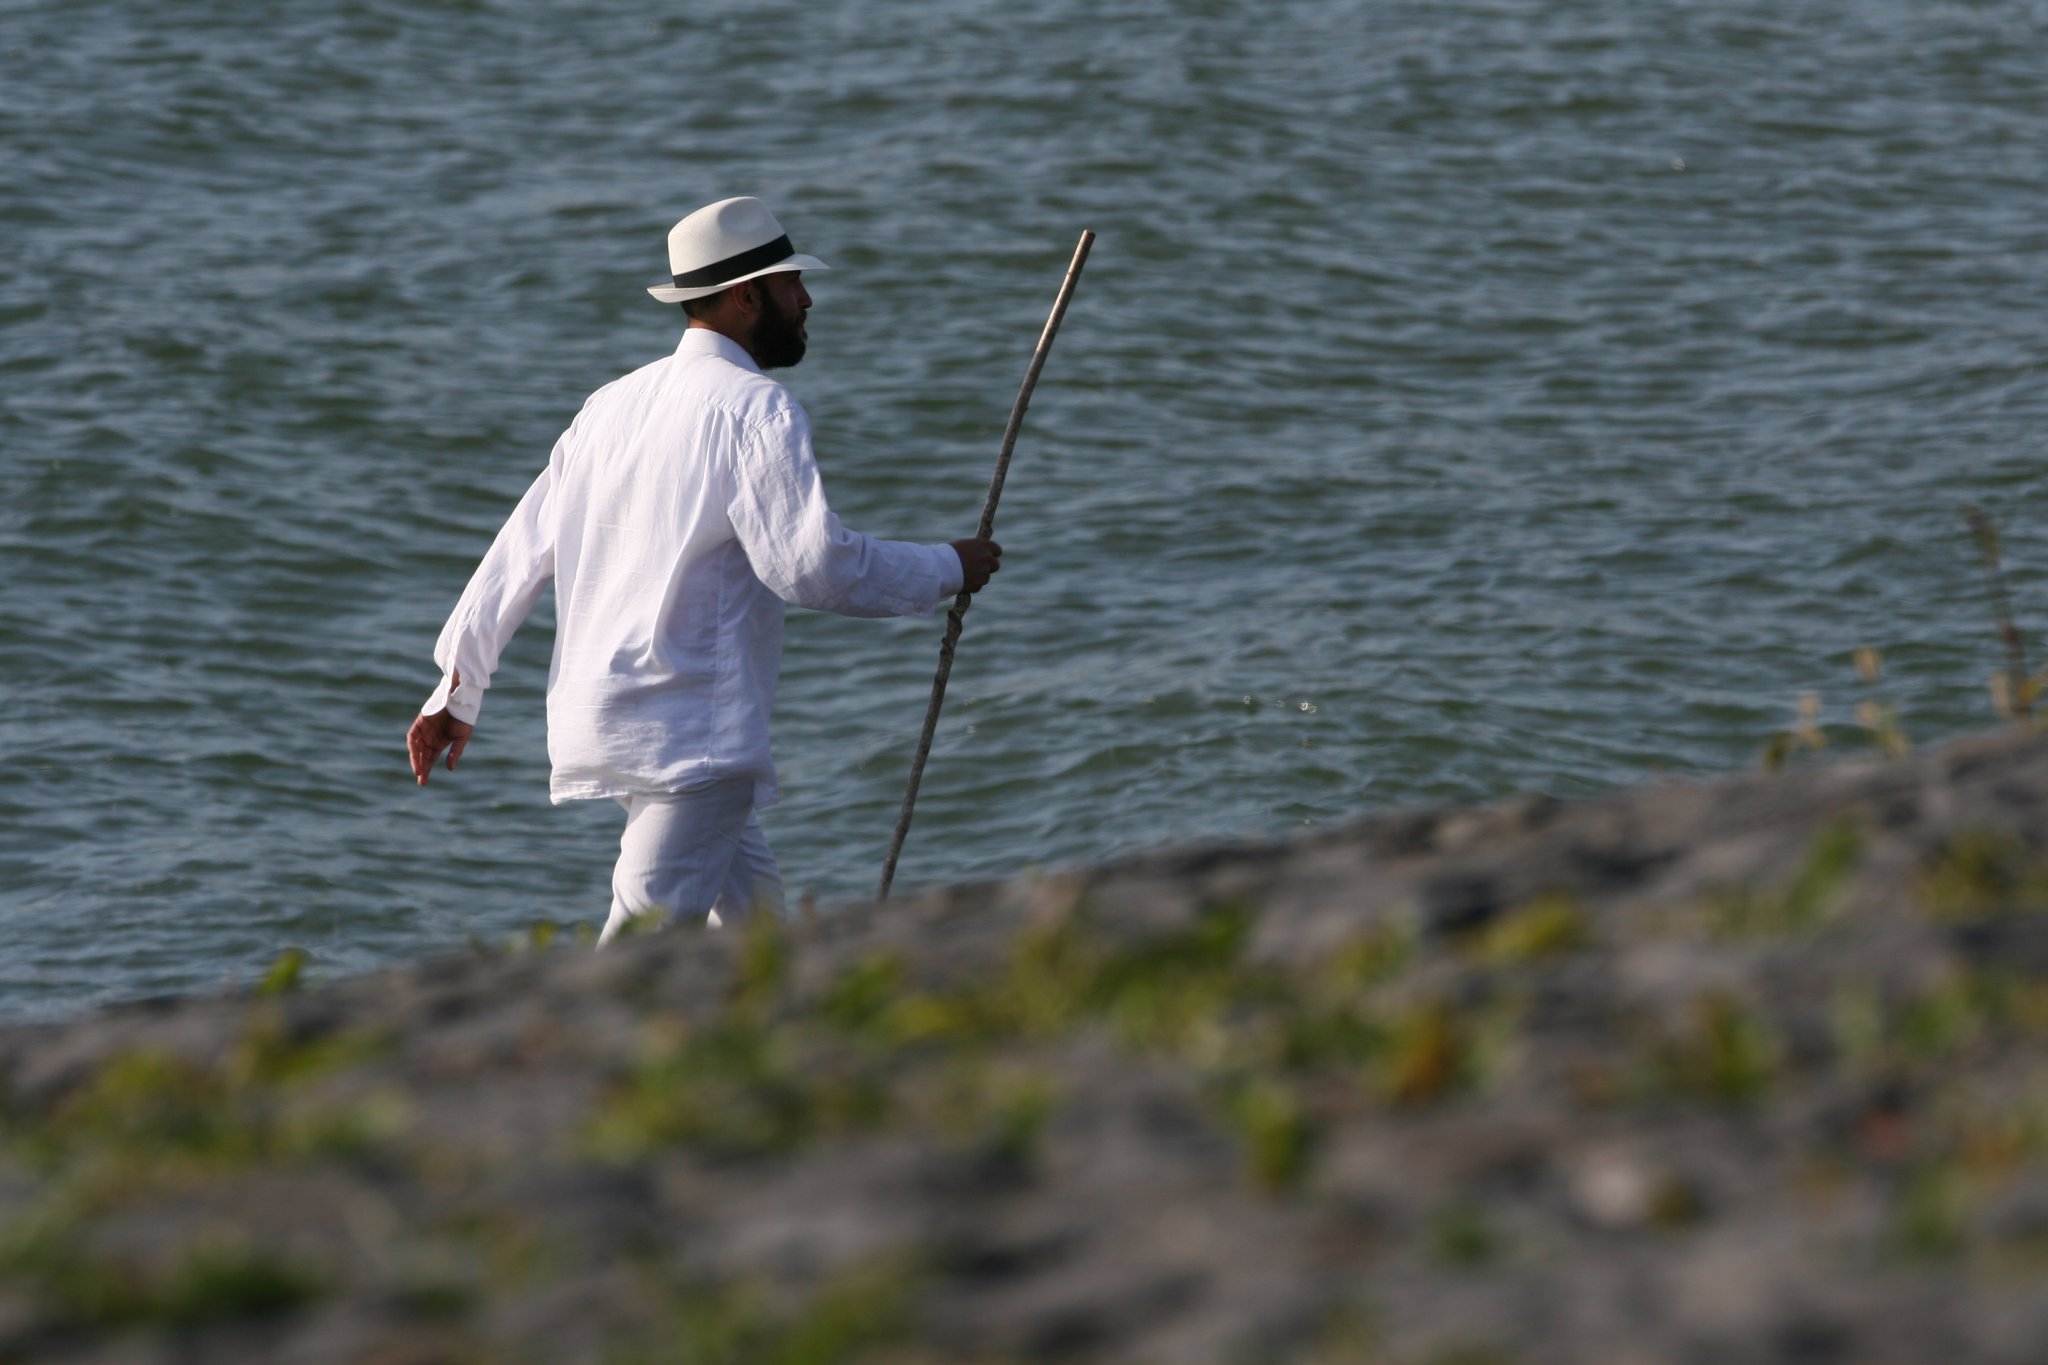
x: 668, y: 293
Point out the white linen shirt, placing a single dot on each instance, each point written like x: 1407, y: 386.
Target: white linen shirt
x: 677, y: 514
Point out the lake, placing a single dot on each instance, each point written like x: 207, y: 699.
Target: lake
x: 1462, y: 399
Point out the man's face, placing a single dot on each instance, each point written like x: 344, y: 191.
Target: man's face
x: 778, y: 340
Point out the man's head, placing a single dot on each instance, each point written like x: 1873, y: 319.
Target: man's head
x: 764, y: 314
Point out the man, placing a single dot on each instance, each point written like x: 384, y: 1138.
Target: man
x: 676, y: 516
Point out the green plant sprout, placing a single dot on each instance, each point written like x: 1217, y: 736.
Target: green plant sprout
x: 2013, y: 689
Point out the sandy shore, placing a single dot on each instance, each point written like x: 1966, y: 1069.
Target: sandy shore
x: 1749, y: 1070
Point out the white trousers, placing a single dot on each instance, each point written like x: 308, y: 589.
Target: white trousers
x: 691, y: 853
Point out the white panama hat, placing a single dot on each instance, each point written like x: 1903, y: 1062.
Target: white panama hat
x: 724, y: 243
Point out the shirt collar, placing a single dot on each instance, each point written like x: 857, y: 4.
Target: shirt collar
x: 704, y: 341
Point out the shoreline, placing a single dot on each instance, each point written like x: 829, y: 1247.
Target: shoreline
x: 1752, y: 1068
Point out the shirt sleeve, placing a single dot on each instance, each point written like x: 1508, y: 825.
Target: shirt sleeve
x: 799, y: 549
x: 500, y: 594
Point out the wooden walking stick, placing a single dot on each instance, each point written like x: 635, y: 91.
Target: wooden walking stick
x: 955, y: 617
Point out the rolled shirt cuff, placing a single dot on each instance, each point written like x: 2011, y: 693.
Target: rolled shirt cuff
x: 465, y: 704
x: 952, y: 573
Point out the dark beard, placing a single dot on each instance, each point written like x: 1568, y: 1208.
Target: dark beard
x: 778, y: 339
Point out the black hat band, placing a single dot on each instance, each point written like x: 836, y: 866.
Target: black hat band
x: 732, y: 267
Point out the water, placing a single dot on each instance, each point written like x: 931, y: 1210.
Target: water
x: 1463, y: 398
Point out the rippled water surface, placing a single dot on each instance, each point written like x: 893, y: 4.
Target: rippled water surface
x: 1463, y: 398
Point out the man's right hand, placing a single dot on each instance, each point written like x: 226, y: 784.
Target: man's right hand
x: 429, y: 736
x: 979, y: 559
